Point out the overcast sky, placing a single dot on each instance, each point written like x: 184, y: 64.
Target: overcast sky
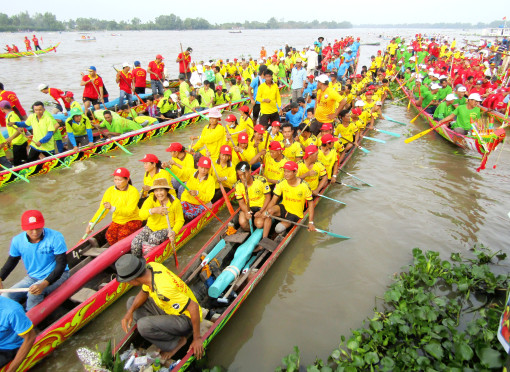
x: 356, y: 12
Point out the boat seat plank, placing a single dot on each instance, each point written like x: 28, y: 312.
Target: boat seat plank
x: 238, y: 237
x: 268, y: 244
x: 94, y: 252
x: 82, y: 295
x: 82, y: 264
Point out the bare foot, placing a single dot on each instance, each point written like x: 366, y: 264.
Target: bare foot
x: 165, y: 355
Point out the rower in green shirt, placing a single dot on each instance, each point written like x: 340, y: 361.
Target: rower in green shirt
x: 118, y: 125
x: 445, y: 108
x: 444, y: 90
x: 465, y: 114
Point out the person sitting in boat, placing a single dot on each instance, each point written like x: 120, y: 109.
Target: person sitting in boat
x: 445, y: 108
x: 259, y: 195
x: 43, y: 252
x: 329, y: 156
x: 461, y: 99
x: 17, y: 334
x: 79, y: 130
x: 212, y: 137
x: 131, y: 114
x: 273, y: 162
x: 244, y: 149
x: 7, y: 95
x: 15, y: 48
x: 169, y: 107
x: 117, y: 125
x: 17, y: 138
x: 294, y: 193
x: 226, y: 172
x: 153, y: 171
x: 201, y: 189
x: 292, y: 148
x: 245, y: 120
x: 58, y: 95
x: 430, y: 99
x: 69, y: 98
x: 155, y: 209
x: 274, y: 132
x: 180, y: 156
x: 312, y: 171
x: 122, y: 200
x: 165, y: 310
x: 206, y: 96
x: 190, y: 104
x: 464, y: 115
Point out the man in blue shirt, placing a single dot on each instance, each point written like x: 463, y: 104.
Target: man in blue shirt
x: 295, y: 115
x: 342, y: 72
x: 17, y: 334
x: 297, y: 79
x: 43, y: 252
x: 309, y: 85
x: 254, y: 87
x: 349, y: 59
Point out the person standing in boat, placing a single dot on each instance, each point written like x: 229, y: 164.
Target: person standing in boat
x: 294, y: 194
x: 165, y: 310
x: 126, y: 85
x: 139, y: 78
x: 212, y: 137
x: 156, y: 70
x: 6, y: 95
x: 122, y: 200
x: 155, y: 209
x: 27, y: 44
x: 43, y: 252
x: 268, y: 95
x: 36, y: 42
x: 184, y: 61
x: 328, y: 104
x: 93, y: 89
x: 17, y: 137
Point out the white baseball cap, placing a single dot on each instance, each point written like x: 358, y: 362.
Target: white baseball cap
x: 475, y: 96
x: 43, y: 86
x: 125, y: 64
x: 462, y: 89
x: 323, y: 78
x: 451, y: 97
x: 174, y: 97
x: 166, y: 84
x: 359, y: 103
x: 435, y: 86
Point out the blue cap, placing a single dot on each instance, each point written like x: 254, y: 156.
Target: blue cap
x: 93, y: 68
x: 137, y: 63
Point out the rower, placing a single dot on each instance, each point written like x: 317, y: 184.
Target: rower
x: 245, y: 121
x: 36, y: 43
x: 328, y: 105
x: 190, y: 104
x: 17, y: 334
x: 79, y: 130
x: 259, y: 195
x: 312, y: 171
x: 117, y: 125
x: 206, y: 96
x: 69, y: 98
x: 294, y: 194
x: 153, y: 171
x: 168, y: 106
x: 165, y: 309
x: 274, y: 132
x: 201, y: 186
x: 429, y: 99
x: 226, y: 172
x: 126, y: 84
x: 184, y: 61
x: 213, y: 135
x: 43, y: 252
x: 180, y: 156
x: 445, y: 108
x: 155, y: 208
x: 234, y: 92
x: 58, y: 95
x: 3, y: 159
x: 244, y: 149
x: 293, y: 150
x: 295, y: 115
x: 273, y: 162
x: 464, y: 115
x: 122, y: 200
x: 6, y: 95
x: 17, y: 137
x: 329, y: 156
x: 94, y: 89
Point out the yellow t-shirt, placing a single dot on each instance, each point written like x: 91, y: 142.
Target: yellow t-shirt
x: 246, y: 125
x: 327, y: 102
x: 268, y: 92
x: 158, y: 222
x: 274, y: 170
x: 246, y: 155
x: 293, y: 151
x: 39, y: 129
x: 169, y: 292
x: 213, y: 139
x: 11, y: 118
x: 293, y: 197
x: 313, y: 181
x: 347, y: 132
x: 328, y: 160
x: 256, y: 192
x: 205, y: 190
x: 148, y: 180
x: 229, y: 172
x: 125, y: 203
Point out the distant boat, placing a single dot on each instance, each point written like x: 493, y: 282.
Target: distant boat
x: 375, y: 43
x: 235, y: 31
x: 29, y: 54
x: 86, y: 37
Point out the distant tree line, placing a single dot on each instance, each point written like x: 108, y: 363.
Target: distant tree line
x: 457, y: 25
x: 48, y: 22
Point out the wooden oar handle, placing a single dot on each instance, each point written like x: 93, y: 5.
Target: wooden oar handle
x: 14, y: 290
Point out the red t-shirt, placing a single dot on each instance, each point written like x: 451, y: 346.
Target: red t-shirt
x: 157, y: 70
x: 6, y: 95
x: 89, y: 91
x: 184, y: 65
x: 140, y: 77
x: 36, y: 42
x: 125, y: 82
x: 480, y: 91
x: 56, y: 94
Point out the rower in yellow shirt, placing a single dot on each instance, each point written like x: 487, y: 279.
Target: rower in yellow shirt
x: 213, y: 135
x: 201, y: 190
x: 312, y: 171
x: 244, y: 148
x: 273, y: 162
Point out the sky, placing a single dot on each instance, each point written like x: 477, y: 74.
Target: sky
x: 362, y: 12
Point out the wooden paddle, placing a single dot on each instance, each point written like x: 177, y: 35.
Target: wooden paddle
x: 245, y: 184
x: 305, y: 226
x: 170, y: 241
x: 421, y: 134
x: 416, y: 117
x: 14, y: 290
x: 353, y: 176
x: 21, y: 177
x: 93, y: 225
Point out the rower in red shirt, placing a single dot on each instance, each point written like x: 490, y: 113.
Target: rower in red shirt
x: 184, y: 60
x: 36, y: 43
x: 27, y: 44
x: 93, y: 91
x: 8, y: 48
x: 15, y: 49
x: 6, y: 95
x: 125, y: 80
x: 156, y: 70
x: 58, y: 95
x: 139, y: 78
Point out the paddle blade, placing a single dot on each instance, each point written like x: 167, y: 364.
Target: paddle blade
x: 374, y: 139
x: 327, y: 197
x: 389, y: 133
x: 386, y: 117
x: 352, y: 187
x: 364, y: 149
x: 414, y: 119
x: 332, y: 234
x: 419, y: 135
x: 409, y: 105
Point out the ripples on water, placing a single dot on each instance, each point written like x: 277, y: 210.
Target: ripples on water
x: 426, y: 194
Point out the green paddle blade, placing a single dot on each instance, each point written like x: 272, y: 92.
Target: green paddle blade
x: 332, y: 234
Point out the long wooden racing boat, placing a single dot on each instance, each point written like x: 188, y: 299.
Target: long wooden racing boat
x: 92, y: 287
x: 28, y: 54
x: 65, y: 159
x: 485, y: 144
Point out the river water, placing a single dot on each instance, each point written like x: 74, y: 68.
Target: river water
x: 425, y: 194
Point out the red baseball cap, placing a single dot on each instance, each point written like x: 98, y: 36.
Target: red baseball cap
x: 219, y: 87
x: 358, y: 76
x: 69, y: 94
x: 371, y: 87
x: 204, y: 162
x: 275, y: 146
x: 356, y: 111
x: 326, y: 126
x: 244, y: 108
x: 311, y: 76
x: 291, y: 165
x: 328, y: 138
x: 176, y: 146
x: 226, y: 149
x: 276, y: 124
x: 259, y: 128
x: 121, y: 172
x: 369, y: 93
x: 32, y: 219
x: 150, y: 158
x: 242, y: 138
x: 159, y: 56
x: 309, y: 150
x: 231, y: 118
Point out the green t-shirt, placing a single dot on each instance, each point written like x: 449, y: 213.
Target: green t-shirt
x: 460, y: 101
x: 78, y: 129
x: 427, y: 98
x: 464, y: 117
x: 206, y: 97
x: 11, y: 118
x: 235, y: 93
x: 443, y: 110
x: 443, y: 92
x: 120, y: 125
x: 189, y: 105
